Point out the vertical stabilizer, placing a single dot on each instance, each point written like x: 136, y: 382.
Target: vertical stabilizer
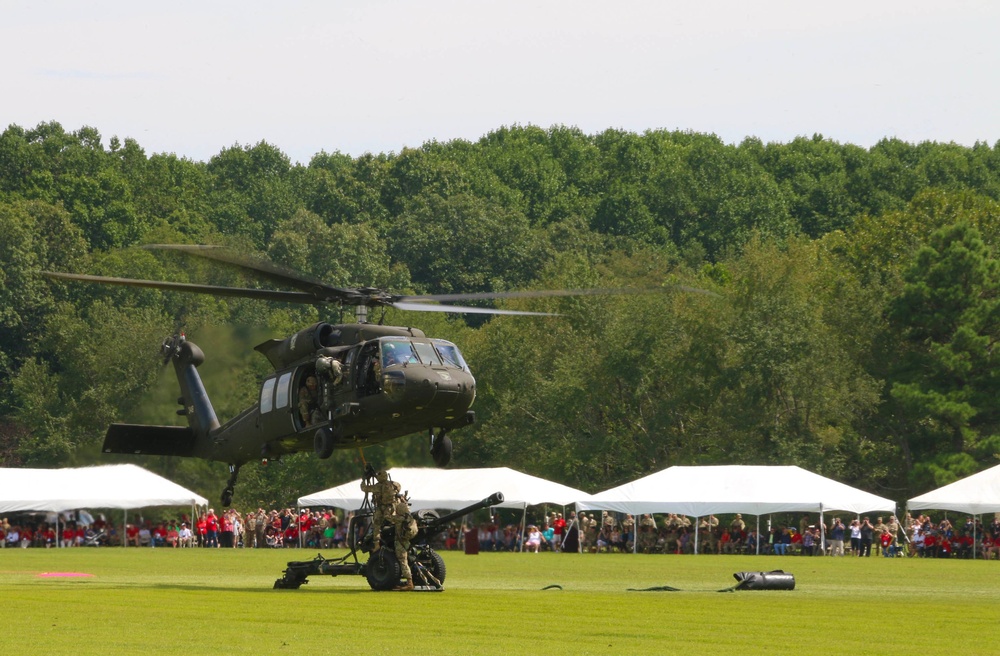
x: 187, y: 357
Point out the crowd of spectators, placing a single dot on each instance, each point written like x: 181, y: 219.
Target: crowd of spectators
x: 676, y: 534
x: 606, y: 533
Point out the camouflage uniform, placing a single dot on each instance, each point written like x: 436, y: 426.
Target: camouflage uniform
x: 628, y: 529
x: 260, y: 534
x: 383, y: 493
x: 251, y: 534
x: 708, y: 529
x: 590, y: 535
x: 647, y: 533
x: 406, y: 530
x: 893, y: 527
x: 877, y: 544
x: 309, y: 401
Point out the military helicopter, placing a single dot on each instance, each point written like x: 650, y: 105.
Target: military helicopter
x: 334, y: 386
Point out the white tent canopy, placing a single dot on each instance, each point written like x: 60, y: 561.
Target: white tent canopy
x: 756, y: 490
x: 975, y: 495
x: 455, y: 488
x: 107, y: 486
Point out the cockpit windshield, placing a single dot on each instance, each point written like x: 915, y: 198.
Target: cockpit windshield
x: 436, y: 352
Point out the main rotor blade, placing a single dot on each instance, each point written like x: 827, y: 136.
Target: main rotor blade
x: 263, y: 268
x: 261, y: 294
x: 459, y: 309
x: 547, y: 293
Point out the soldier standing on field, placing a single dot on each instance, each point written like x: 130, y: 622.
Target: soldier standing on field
x: 250, y: 540
x: 260, y: 530
x: 383, y: 493
x: 406, y: 530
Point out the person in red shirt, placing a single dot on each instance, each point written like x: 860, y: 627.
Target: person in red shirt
x: 291, y: 538
x: 885, y: 540
x: 211, y: 529
x: 201, y: 527
x: 724, y: 542
x: 226, y: 531
x: 131, y: 535
x: 67, y: 536
x: 930, y: 545
x: 159, y: 536
x: 49, y: 537
x: 559, y: 527
x: 944, y: 551
x: 173, y: 536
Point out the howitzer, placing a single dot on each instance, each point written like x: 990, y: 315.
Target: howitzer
x: 429, y: 523
x: 383, y: 569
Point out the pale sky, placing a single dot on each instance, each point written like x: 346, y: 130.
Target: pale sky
x: 359, y: 76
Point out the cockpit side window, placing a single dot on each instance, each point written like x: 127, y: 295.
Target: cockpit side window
x: 450, y: 354
x: 397, y: 352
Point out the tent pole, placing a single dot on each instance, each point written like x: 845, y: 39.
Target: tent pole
x: 822, y: 532
x: 524, y: 516
x: 124, y: 524
x: 697, y: 522
x: 579, y: 529
x: 975, y: 520
x: 758, y: 537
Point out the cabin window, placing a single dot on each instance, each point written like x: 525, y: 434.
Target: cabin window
x: 284, y: 383
x: 267, y: 396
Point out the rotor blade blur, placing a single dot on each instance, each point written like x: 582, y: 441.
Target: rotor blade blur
x: 458, y: 309
x: 548, y: 293
x: 262, y: 268
x: 259, y: 294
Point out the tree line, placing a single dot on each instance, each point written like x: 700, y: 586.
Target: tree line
x: 849, y: 327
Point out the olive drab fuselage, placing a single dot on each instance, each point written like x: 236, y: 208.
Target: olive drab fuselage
x: 386, y: 382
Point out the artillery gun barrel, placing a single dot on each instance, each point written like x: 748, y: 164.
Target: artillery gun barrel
x: 492, y: 500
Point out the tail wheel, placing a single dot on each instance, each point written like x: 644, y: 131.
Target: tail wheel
x: 323, y: 443
x: 383, y: 570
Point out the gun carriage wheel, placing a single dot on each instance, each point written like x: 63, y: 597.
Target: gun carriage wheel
x: 383, y: 570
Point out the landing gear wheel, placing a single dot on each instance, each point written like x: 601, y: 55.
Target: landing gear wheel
x: 441, y: 449
x: 227, y: 496
x: 323, y: 443
x: 383, y: 570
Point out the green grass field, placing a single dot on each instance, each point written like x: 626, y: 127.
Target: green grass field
x: 161, y: 601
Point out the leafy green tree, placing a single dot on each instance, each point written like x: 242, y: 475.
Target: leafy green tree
x: 34, y: 236
x: 338, y: 254
x: 947, y: 381
x: 252, y: 191
x: 464, y: 244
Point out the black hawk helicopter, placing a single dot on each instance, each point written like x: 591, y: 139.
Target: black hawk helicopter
x: 334, y: 386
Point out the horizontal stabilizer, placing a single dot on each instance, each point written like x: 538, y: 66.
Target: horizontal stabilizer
x: 149, y: 440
